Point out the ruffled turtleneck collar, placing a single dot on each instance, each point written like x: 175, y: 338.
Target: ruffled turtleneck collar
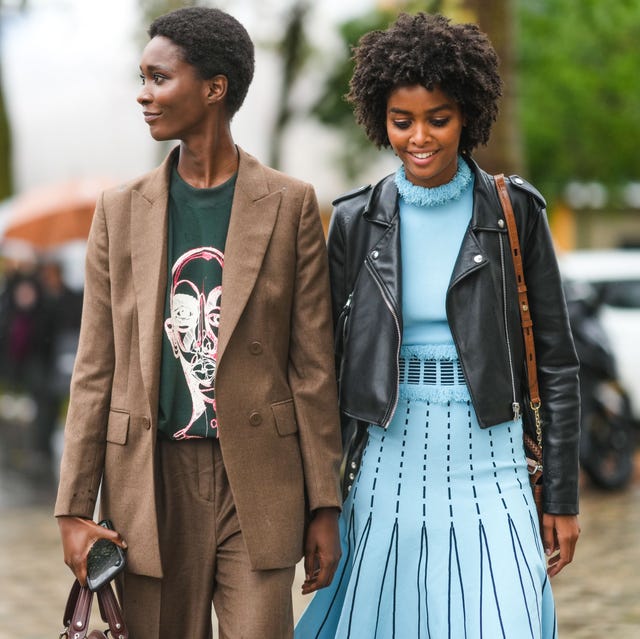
x: 438, y: 195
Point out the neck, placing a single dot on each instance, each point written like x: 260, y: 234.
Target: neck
x: 209, y: 160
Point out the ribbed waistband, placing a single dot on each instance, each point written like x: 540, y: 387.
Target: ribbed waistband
x: 432, y: 373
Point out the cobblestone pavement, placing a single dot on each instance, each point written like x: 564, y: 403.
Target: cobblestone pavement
x: 598, y: 596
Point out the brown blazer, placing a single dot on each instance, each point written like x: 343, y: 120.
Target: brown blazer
x: 275, y: 384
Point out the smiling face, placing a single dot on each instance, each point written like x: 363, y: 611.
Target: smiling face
x: 424, y: 129
x: 174, y: 97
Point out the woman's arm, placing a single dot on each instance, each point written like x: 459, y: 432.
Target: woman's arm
x: 85, y: 428
x: 313, y: 383
x: 557, y: 366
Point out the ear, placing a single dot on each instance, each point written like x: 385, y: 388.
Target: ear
x: 217, y: 88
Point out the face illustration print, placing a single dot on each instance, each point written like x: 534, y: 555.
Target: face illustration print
x: 192, y: 330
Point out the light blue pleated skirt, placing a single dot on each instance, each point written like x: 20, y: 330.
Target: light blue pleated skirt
x: 439, y: 532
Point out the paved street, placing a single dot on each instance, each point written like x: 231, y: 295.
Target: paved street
x: 598, y: 596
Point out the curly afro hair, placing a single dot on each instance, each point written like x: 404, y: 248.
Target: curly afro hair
x: 431, y: 51
x: 214, y: 43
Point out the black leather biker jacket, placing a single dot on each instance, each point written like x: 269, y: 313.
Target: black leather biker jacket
x: 482, y: 311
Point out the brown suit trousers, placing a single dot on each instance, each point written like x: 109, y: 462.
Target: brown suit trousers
x: 205, y: 559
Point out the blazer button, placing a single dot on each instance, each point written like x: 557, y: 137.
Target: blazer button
x: 255, y: 419
x: 477, y: 259
x: 255, y: 348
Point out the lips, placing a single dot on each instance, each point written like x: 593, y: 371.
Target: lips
x: 150, y: 117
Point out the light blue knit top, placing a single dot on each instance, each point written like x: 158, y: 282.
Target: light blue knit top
x: 433, y: 222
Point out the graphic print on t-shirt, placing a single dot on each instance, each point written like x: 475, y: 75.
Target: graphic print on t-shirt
x: 192, y: 330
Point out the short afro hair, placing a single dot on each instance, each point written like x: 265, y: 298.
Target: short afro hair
x: 215, y: 43
x: 430, y: 51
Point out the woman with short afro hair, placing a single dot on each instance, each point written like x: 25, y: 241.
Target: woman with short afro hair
x: 229, y: 53
x: 440, y: 532
x: 203, y: 399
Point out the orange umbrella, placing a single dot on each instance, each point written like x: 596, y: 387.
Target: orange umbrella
x: 52, y: 215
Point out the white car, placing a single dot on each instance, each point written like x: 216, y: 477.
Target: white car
x: 615, y: 275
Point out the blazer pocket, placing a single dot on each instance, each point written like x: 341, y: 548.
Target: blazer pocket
x: 118, y: 427
x: 285, y: 416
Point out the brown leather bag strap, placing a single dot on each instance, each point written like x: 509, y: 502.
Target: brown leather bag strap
x: 77, y: 612
x: 111, y: 613
x: 72, y: 600
x: 523, y: 302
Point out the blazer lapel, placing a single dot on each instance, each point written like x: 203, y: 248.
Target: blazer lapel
x: 253, y: 215
x: 149, y: 221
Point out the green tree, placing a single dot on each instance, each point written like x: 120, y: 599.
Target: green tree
x: 579, y: 91
x: 6, y: 161
x: 293, y: 51
x: 332, y: 109
x: 504, y: 152
x: 6, y: 170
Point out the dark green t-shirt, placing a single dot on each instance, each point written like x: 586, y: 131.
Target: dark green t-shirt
x: 198, y: 225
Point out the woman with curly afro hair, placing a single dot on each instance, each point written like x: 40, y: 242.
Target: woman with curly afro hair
x: 440, y: 531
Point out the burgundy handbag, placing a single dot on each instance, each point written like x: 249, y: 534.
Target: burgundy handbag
x: 78, y: 611
x: 533, y: 449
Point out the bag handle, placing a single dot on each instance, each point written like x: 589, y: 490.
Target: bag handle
x: 525, y: 316
x: 78, y: 610
x: 111, y: 613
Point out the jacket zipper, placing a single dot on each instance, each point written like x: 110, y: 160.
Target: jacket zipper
x: 515, y: 405
x: 389, y: 305
x: 346, y: 309
x: 340, y: 336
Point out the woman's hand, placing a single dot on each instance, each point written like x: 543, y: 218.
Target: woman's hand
x: 559, y: 536
x: 322, y: 550
x: 78, y: 535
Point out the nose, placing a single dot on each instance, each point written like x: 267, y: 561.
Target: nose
x: 144, y: 96
x: 421, y: 134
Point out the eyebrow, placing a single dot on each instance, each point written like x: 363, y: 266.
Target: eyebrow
x: 440, y: 107
x: 155, y: 67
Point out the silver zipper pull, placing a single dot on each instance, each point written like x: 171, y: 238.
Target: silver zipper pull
x: 516, y: 411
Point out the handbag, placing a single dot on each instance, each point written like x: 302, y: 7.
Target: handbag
x: 533, y: 448
x: 78, y: 610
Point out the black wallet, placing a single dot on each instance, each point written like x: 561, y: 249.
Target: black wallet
x: 104, y: 561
